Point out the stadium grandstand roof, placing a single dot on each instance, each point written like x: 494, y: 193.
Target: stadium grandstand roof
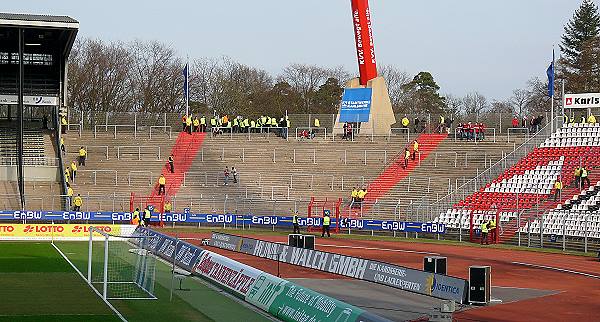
x: 43, y: 21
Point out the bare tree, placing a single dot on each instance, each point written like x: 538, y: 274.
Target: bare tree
x: 157, y: 79
x: 520, y: 101
x: 396, y: 80
x: 474, y: 104
x: 305, y: 79
x: 99, y: 76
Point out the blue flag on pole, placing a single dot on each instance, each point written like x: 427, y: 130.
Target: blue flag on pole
x: 186, y: 82
x: 550, y: 73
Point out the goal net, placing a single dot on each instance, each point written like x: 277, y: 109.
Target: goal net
x: 120, y: 267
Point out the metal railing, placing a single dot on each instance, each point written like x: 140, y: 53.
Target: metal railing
x: 516, y: 129
x: 123, y: 150
x: 30, y: 161
x: 164, y: 127
x: 93, y: 174
x: 114, y: 127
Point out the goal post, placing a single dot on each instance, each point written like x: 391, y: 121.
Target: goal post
x: 119, y: 266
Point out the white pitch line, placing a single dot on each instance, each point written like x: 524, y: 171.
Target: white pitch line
x: 381, y: 249
x: 89, y: 284
x: 557, y: 269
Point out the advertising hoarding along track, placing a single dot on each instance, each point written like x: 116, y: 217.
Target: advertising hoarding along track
x: 226, y: 219
x: 282, y: 299
x: 408, y: 279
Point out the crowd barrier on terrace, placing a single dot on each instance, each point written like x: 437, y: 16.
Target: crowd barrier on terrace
x: 413, y: 280
x: 226, y: 220
x: 280, y: 298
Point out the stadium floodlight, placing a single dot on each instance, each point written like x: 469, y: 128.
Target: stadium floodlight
x: 120, y: 267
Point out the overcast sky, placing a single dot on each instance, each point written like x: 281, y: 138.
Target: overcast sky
x: 468, y: 45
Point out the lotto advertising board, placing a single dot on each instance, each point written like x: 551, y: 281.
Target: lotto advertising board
x: 282, y: 299
x: 436, y: 285
x: 57, y: 231
x: 224, y: 219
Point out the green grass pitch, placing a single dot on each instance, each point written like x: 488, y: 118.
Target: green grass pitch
x: 38, y: 284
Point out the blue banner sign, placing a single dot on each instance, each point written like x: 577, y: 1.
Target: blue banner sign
x: 227, y: 219
x: 356, y: 105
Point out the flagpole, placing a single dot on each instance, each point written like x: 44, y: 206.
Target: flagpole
x: 552, y: 97
x: 562, y: 92
x: 187, y: 88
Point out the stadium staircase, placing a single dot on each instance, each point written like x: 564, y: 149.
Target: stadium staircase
x: 184, y: 152
x: 394, y: 173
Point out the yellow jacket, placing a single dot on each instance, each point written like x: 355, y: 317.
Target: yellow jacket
x: 73, y: 166
x: 162, y: 180
x: 78, y: 201
x: 82, y: 152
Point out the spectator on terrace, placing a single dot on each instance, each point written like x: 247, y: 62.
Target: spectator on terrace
x: 584, y: 177
x: 168, y: 207
x: 63, y: 125
x: 591, y: 119
x: 515, y: 122
x: 69, y: 194
x: 415, y: 149
x: 135, y: 218
x: 449, y: 125
x: 226, y: 176
x: 62, y: 146
x: 67, y: 175
x: 162, y: 181
x: 406, y: 157
x: 295, y: 223
x: 234, y: 174
x: 73, y: 170
x: 77, y: 203
x: 305, y: 134
x: 196, y: 124
x: 417, y: 122
x: 147, y: 216
x: 183, y: 122
x: 492, y: 229
x: 442, y: 126
x: 362, y: 193
x: 524, y: 122
x: 577, y: 177
x: 203, y: 124
x: 326, y: 223
x: 582, y: 120
x: 171, y: 163
x: 188, y: 124
x: 317, y: 124
x: 484, y: 233
x: 82, y: 156
x: 557, y: 189
x: 354, y: 195
x: 405, y: 122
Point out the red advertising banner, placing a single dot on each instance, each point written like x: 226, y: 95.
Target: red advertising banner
x: 363, y: 34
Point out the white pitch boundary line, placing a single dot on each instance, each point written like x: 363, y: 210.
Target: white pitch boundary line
x: 557, y: 269
x: 90, y: 285
x: 381, y: 249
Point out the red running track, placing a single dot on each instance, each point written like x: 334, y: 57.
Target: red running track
x: 577, y: 298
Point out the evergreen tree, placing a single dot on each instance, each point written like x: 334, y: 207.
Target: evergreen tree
x: 423, y: 92
x: 579, y: 65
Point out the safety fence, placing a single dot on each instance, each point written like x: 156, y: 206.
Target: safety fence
x: 165, y: 123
